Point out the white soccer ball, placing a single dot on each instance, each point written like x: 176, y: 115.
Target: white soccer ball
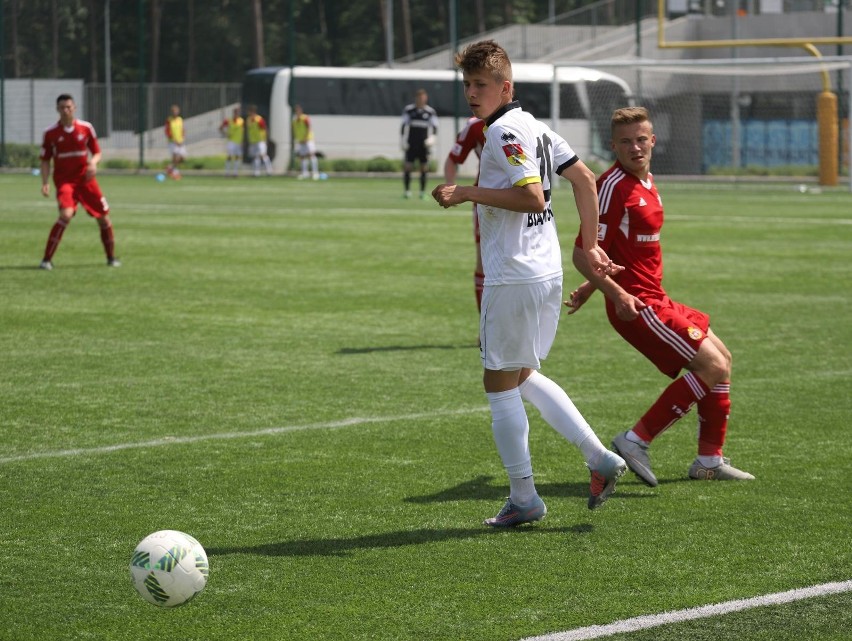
x: 169, y: 568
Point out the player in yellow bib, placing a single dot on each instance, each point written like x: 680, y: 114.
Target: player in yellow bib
x: 233, y: 129
x: 256, y: 127
x: 176, y: 137
x: 303, y: 136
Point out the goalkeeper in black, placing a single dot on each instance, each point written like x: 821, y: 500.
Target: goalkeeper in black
x: 417, y: 137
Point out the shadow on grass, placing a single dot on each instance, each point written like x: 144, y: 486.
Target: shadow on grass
x: 35, y: 267
x: 482, y: 488
x: 398, y: 348
x: 342, y: 546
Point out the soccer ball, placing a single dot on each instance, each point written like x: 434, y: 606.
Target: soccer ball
x: 169, y: 568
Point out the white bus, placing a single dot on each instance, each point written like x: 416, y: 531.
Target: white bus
x: 356, y: 111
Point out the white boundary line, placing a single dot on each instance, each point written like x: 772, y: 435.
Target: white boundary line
x: 654, y: 620
x: 269, y: 431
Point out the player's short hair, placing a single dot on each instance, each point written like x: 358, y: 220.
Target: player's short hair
x: 63, y: 97
x: 629, y: 116
x: 485, y: 55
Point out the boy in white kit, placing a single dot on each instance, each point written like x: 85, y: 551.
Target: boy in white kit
x: 522, y: 261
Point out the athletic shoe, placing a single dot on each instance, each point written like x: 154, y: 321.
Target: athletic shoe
x: 512, y: 514
x: 636, y: 457
x: 46, y: 265
x: 604, y: 478
x: 113, y: 262
x: 724, y: 472
x: 314, y: 176
x: 407, y: 195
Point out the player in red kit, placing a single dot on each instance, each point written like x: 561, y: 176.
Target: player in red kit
x: 671, y: 335
x: 470, y: 138
x: 69, y: 144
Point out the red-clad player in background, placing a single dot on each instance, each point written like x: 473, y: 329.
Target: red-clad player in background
x: 470, y: 138
x: 68, y: 144
x: 671, y: 335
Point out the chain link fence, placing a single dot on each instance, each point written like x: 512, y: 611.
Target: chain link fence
x: 119, y: 116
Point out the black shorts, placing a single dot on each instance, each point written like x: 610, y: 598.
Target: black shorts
x: 419, y: 153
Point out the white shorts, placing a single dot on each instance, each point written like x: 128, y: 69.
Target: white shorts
x: 257, y: 149
x: 518, y: 323
x: 177, y: 150
x: 234, y: 148
x: 306, y: 148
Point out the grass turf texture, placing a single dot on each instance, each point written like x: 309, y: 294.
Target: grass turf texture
x: 344, y: 315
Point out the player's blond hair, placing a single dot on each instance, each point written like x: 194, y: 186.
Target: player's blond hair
x: 629, y: 116
x: 485, y: 55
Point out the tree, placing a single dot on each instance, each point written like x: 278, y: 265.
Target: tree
x: 257, y: 33
x: 190, y: 45
x: 156, y: 17
x: 16, y: 50
x: 408, y: 38
x: 94, y: 38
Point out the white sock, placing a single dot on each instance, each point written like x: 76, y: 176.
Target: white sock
x: 562, y: 415
x: 315, y: 164
x: 511, y: 429
x: 522, y: 491
x: 631, y: 436
x: 710, y: 461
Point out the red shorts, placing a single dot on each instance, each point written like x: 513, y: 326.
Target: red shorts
x: 666, y: 332
x: 87, y: 193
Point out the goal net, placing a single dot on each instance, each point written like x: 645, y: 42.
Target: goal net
x: 735, y: 117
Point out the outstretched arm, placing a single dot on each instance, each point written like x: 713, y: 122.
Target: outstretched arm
x: 627, y: 306
x: 586, y: 199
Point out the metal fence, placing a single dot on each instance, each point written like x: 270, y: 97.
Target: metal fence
x: 746, y: 115
x: 29, y: 106
x: 121, y: 111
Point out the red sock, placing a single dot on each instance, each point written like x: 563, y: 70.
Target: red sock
x: 108, y: 241
x: 53, y: 239
x: 674, y: 403
x: 713, y: 411
x: 478, y: 284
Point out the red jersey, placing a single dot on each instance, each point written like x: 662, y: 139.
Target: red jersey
x: 471, y: 138
x: 69, y: 149
x: 631, y: 217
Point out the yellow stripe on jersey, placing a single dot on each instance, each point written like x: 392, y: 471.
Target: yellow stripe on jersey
x: 529, y: 180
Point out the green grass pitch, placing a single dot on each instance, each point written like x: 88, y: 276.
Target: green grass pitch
x: 288, y: 372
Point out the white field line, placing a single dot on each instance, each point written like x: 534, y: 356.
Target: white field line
x: 269, y: 431
x: 655, y: 620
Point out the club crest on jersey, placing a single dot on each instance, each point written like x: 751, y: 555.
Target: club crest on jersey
x: 694, y: 333
x: 514, y: 154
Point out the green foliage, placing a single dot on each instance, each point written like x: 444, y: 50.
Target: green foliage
x: 22, y: 155
x: 288, y: 371
x: 381, y: 164
x: 305, y: 32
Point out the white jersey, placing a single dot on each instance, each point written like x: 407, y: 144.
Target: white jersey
x: 520, y: 247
